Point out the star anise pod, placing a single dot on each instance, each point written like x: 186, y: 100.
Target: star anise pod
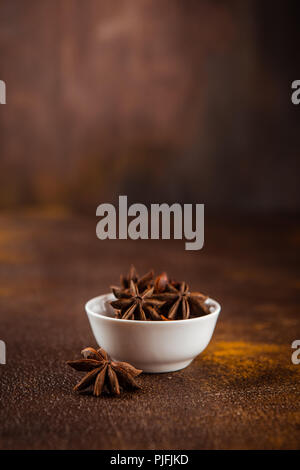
x: 142, y: 282
x: 180, y: 303
x: 135, y: 305
x: 103, y: 373
x: 161, y: 282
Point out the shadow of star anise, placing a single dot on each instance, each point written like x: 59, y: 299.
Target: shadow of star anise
x: 135, y: 305
x: 103, y: 374
x: 180, y: 303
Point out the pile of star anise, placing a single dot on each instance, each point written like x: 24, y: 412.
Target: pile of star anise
x: 156, y: 298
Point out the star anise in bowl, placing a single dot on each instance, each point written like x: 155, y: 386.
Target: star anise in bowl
x: 156, y: 299
x: 135, y: 305
x: 180, y: 303
x: 142, y: 282
x: 103, y: 374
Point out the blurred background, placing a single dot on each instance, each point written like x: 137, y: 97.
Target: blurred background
x: 164, y: 101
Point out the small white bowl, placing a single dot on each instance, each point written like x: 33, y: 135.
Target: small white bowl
x: 152, y: 346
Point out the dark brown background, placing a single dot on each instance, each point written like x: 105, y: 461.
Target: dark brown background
x: 160, y: 100
x: 165, y: 101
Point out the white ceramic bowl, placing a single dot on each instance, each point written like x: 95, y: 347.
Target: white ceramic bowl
x: 151, y: 346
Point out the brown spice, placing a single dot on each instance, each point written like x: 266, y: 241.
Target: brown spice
x: 142, y: 282
x: 104, y: 374
x: 159, y: 299
x: 180, y: 303
x: 131, y: 304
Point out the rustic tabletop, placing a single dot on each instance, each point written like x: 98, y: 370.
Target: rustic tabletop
x: 242, y: 392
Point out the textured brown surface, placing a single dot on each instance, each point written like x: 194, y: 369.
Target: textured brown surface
x: 242, y: 392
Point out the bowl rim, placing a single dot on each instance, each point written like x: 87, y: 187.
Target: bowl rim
x: 209, y: 300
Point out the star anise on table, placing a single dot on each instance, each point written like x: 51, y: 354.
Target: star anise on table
x: 103, y: 374
x: 180, y: 303
x: 135, y: 305
x: 142, y: 282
